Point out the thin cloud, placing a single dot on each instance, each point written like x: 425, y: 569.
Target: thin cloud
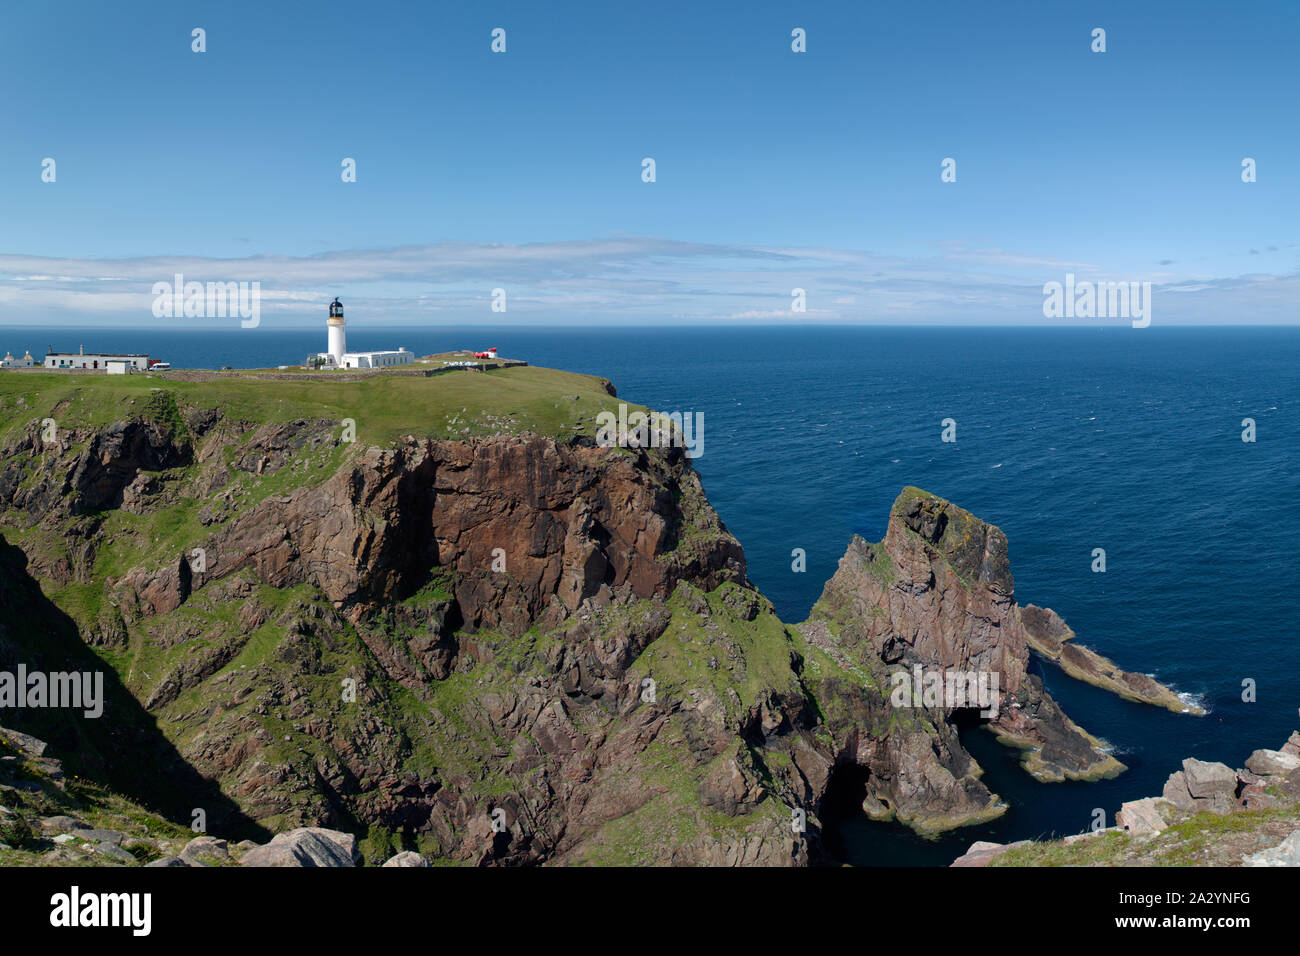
x: 621, y: 278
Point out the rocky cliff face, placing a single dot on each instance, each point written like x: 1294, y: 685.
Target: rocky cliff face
x: 527, y: 528
x: 436, y: 641
x: 936, y: 598
x: 513, y: 649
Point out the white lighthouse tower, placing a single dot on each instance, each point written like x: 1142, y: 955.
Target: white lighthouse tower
x: 338, y: 356
x: 337, y: 333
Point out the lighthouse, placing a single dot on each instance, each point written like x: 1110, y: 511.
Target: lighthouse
x: 337, y: 335
x: 338, y: 356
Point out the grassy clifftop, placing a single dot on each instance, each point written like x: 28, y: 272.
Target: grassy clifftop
x: 316, y: 629
x: 459, y: 403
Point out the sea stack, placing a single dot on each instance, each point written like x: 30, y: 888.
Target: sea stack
x: 936, y: 597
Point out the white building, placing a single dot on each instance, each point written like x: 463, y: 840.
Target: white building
x: 10, y: 362
x: 338, y: 355
x: 95, y: 360
x: 378, y: 359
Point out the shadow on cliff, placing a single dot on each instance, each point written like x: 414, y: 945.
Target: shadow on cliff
x: 122, y: 749
x: 840, y: 808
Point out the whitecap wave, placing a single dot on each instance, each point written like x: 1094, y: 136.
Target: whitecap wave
x: 1194, y: 701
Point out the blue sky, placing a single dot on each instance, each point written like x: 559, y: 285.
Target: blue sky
x: 522, y: 170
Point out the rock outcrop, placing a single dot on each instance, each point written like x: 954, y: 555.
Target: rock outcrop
x: 1208, y: 815
x: 1052, y: 638
x: 935, y: 599
x: 1269, y: 776
x: 1141, y: 817
x: 515, y: 649
x: 305, y: 847
x: 560, y: 520
x: 1286, y: 853
x: 982, y: 853
x: 487, y: 603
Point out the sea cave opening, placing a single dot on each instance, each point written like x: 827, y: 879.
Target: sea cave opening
x: 966, y: 718
x: 841, y: 808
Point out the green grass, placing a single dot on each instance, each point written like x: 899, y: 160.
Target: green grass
x: 738, y: 660
x: 384, y: 407
x: 672, y: 814
x: 161, y: 409
x: 436, y: 729
x: 878, y: 563
x: 1194, y: 840
x: 98, y: 806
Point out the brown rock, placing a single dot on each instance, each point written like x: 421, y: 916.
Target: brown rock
x: 1141, y: 817
x: 1176, y: 792
x: 205, y: 850
x: 981, y: 853
x: 937, y: 593
x: 407, y: 859
x: 1209, y: 780
x: 307, y: 847
x: 1272, y: 763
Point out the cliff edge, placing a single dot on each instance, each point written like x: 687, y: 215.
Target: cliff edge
x: 436, y: 614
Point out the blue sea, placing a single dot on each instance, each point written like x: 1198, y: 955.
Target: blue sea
x: 1069, y: 439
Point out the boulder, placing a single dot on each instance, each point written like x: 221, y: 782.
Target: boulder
x: 1272, y: 763
x: 1290, y: 784
x: 1292, y: 746
x: 1286, y: 853
x: 1141, y: 817
x: 345, y: 841
x: 1254, y: 796
x: 62, y: 824
x: 27, y: 745
x: 306, y: 846
x: 205, y: 851
x: 407, y: 859
x: 1220, y: 803
x: 1208, y: 780
x: 167, y: 861
x: 1176, y: 792
x: 99, y: 836
x: 114, y: 852
x: 981, y: 853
